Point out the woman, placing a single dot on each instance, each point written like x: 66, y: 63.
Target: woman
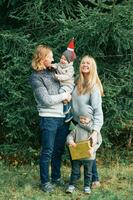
x: 88, y: 92
x: 50, y: 108
x: 86, y: 98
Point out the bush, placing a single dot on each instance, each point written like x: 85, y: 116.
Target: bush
x: 104, y: 30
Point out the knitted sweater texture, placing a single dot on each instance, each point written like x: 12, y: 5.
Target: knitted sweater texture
x: 81, y: 103
x: 46, y: 93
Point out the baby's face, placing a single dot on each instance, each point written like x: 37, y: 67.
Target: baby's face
x: 84, y: 120
x: 63, y: 60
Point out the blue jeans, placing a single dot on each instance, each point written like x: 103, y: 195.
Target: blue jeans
x: 94, y: 172
x: 75, y: 173
x: 53, y: 137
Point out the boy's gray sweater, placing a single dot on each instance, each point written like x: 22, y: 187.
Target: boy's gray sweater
x: 79, y: 134
x: 46, y: 93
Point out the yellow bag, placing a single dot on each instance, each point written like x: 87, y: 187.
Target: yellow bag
x: 81, y: 150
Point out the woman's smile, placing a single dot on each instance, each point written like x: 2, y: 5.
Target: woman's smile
x: 85, y: 66
x: 85, y: 69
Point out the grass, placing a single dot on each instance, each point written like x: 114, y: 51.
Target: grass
x: 22, y: 183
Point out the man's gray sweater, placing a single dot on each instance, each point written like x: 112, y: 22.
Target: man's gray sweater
x: 46, y: 93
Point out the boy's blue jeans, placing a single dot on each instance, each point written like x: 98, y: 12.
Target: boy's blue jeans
x: 75, y: 173
x: 53, y: 137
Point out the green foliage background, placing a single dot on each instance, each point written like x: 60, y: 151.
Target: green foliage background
x: 102, y: 28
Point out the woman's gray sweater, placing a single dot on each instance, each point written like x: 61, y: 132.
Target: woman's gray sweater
x: 81, y: 104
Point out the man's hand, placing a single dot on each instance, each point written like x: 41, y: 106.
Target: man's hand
x: 67, y: 96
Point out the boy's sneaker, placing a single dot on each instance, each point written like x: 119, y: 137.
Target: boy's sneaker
x: 70, y: 189
x: 68, y: 117
x: 95, y: 184
x: 58, y: 182
x: 47, y: 187
x: 66, y: 108
x: 87, y: 190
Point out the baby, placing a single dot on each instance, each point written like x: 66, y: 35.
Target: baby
x: 65, y: 74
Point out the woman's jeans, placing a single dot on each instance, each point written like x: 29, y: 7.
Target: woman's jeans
x: 75, y: 173
x: 94, y: 172
x: 53, y: 137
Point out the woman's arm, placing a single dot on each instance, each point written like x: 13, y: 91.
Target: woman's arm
x: 96, y: 103
x: 99, y: 142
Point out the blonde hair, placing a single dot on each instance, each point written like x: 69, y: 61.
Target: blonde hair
x: 40, y: 54
x: 86, y: 85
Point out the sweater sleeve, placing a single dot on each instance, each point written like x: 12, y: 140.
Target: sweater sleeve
x: 96, y: 103
x: 71, y: 136
x: 99, y: 142
x: 41, y: 94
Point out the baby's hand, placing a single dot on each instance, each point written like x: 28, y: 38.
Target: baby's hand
x: 72, y: 144
x: 56, y: 76
x: 65, y: 101
x: 53, y: 66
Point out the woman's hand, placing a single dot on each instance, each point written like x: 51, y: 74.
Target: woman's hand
x: 94, y: 138
x: 91, y: 152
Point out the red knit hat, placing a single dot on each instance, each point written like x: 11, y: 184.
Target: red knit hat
x: 69, y: 53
